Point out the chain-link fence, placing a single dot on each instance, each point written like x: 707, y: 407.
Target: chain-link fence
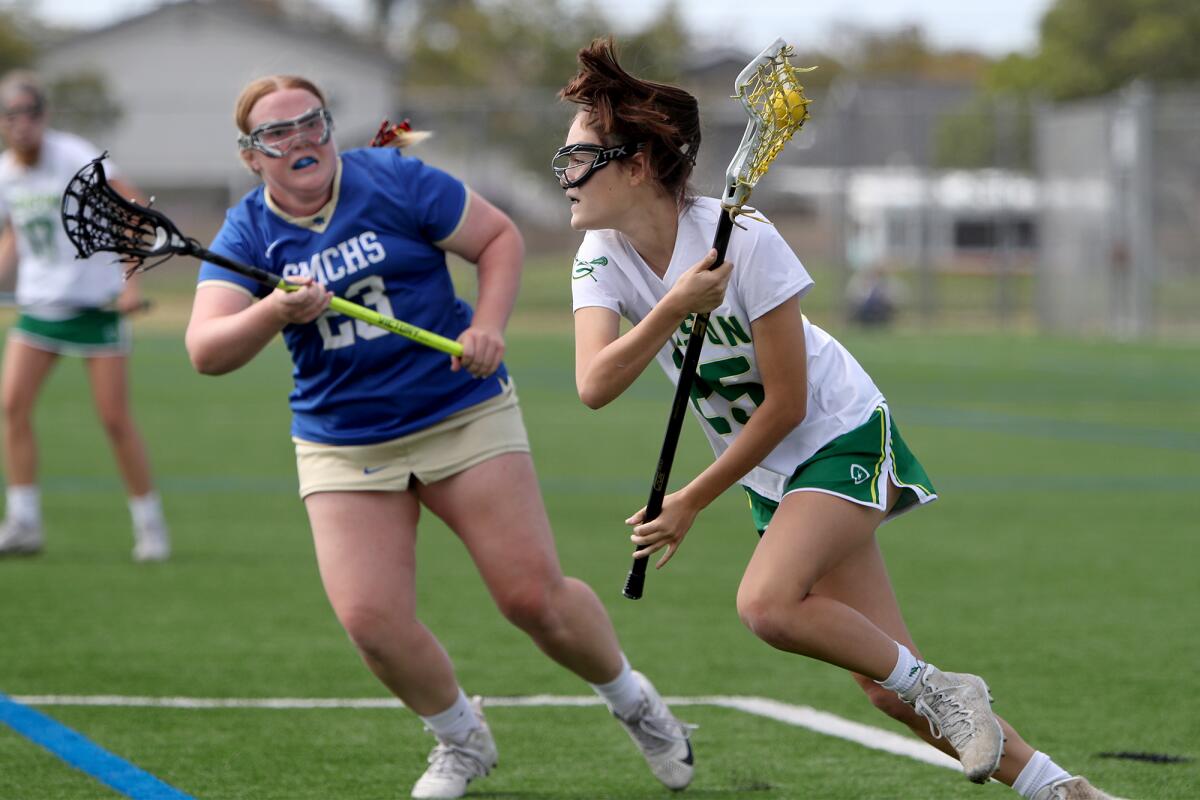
x: 911, y: 204
x: 1173, y: 175
x: 921, y: 205
x: 1120, y: 180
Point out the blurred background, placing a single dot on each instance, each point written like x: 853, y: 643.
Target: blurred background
x: 1000, y: 203
x: 1020, y: 166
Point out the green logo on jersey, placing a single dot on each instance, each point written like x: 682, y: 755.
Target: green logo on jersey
x: 584, y: 269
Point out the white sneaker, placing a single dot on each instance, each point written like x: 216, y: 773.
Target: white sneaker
x: 453, y: 765
x: 1076, y: 788
x: 19, y: 538
x: 662, y: 739
x: 151, y: 543
x: 959, y: 707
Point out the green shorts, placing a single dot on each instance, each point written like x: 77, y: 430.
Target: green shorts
x: 91, y: 332
x: 857, y: 466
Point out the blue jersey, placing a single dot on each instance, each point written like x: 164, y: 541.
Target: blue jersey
x: 374, y: 244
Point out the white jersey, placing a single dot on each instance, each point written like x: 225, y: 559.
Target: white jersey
x: 610, y: 274
x: 51, y: 282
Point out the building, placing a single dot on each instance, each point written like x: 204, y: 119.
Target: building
x: 175, y: 72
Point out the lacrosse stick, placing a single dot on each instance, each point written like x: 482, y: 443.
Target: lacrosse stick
x: 770, y: 91
x: 97, y: 219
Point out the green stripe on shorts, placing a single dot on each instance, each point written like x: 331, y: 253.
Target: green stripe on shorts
x: 851, y: 467
x: 92, y: 330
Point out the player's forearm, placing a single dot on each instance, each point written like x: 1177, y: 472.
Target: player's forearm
x: 618, y: 365
x: 8, y: 253
x: 767, y: 427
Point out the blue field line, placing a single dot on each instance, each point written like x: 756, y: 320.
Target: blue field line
x: 85, y: 755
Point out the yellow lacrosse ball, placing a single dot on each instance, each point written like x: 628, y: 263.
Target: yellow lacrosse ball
x: 789, y: 105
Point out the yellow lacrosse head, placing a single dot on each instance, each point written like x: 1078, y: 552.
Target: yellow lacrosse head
x: 770, y: 91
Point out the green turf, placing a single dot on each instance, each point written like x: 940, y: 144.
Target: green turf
x: 1061, y: 563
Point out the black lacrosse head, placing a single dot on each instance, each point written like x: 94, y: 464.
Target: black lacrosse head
x: 98, y: 220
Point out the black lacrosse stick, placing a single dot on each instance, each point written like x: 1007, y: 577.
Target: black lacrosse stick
x: 98, y: 220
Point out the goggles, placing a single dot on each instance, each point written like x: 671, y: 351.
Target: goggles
x: 575, y: 163
x: 29, y: 111
x: 277, y: 137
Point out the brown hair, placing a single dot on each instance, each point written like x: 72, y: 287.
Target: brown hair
x: 623, y: 108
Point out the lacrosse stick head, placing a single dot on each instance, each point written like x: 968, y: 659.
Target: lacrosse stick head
x: 98, y: 220
x: 769, y: 89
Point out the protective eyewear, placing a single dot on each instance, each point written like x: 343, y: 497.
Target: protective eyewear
x: 575, y: 163
x: 31, y: 111
x: 277, y: 137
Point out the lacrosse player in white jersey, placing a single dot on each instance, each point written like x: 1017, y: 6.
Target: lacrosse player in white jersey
x: 68, y: 307
x: 790, y: 414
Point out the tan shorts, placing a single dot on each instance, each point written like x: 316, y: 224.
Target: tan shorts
x: 458, y: 442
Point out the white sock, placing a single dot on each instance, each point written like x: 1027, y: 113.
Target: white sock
x: 24, y: 504
x: 1039, y: 773
x: 624, y: 693
x: 146, y: 510
x: 456, y: 722
x: 905, y: 674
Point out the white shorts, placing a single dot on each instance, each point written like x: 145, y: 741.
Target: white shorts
x: 458, y: 442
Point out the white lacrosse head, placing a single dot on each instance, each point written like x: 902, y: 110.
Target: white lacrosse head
x: 770, y: 91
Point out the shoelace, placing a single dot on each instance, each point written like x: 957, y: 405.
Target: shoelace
x: 455, y: 759
x: 659, y: 731
x: 957, y: 724
x: 1058, y: 792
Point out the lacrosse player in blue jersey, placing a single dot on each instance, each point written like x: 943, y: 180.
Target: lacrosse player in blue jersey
x: 69, y: 307
x: 790, y: 414
x: 383, y: 425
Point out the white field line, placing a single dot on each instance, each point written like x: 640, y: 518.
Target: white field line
x: 799, y: 716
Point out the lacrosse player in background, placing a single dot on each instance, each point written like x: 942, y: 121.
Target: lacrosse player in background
x: 789, y: 412
x: 68, y: 307
x: 384, y: 426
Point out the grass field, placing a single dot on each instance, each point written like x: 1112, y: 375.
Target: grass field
x: 1061, y: 563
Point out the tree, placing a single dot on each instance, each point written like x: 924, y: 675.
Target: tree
x: 903, y: 52
x: 1086, y: 48
x: 991, y: 130
x: 487, y: 69
x: 503, y: 46
x: 16, y: 50
x: 660, y: 49
x: 1093, y: 47
x: 82, y: 103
